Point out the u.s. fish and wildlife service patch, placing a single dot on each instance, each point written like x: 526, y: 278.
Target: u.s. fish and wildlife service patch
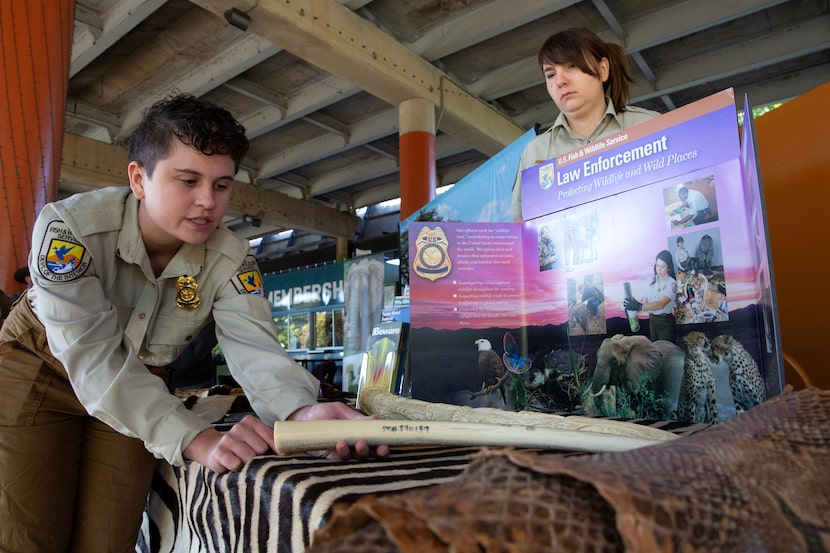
x: 61, y: 257
x: 248, y: 280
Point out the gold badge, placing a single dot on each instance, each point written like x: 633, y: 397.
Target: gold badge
x: 187, y: 294
x: 432, y: 260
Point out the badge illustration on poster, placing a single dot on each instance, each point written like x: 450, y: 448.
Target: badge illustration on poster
x: 431, y: 259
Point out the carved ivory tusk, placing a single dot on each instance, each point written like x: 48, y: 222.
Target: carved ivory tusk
x: 296, y: 436
x: 375, y: 401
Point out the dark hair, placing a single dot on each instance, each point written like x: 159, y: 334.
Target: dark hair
x: 195, y: 122
x: 680, y: 240
x: 665, y: 257
x: 583, y: 48
x: 20, y: 274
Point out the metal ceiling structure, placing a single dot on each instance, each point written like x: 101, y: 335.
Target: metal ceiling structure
x: 317, y: 83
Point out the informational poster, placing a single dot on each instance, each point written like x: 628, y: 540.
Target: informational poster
x: 631, y: 289
x: 482, y: 196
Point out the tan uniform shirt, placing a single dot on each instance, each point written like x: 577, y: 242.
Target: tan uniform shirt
x: 560, y: 139
x: 107, y: 316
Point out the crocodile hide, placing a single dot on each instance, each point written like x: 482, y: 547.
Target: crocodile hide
x: 757, y: 482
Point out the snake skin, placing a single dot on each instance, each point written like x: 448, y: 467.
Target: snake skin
x: 757, y: 482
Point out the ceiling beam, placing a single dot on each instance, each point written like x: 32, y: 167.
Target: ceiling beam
x: 387, y: 191
x: 686, y: 18
x: 283, y: 211
x: 375, y: 167
x: 131, y: 79
x: 468, y: 27
x: 340, y: 42
x: 368, y: 130
x: 257, y: 92
x: 88, y: 164
x: 89, y: 17
x: 80, y: 111
x: 789, y: 43
x: 328, y: 123
x: 378, y: 193
x: 380, y: 166
x: 644, y: 32
x: 793, y: 42
x: 117, y: 21
x: 308, y: 100
x: 245, y: 53
x: 785, y: 88
x: 481, y: 22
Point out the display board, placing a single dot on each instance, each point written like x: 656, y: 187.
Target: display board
x: 531, y: 315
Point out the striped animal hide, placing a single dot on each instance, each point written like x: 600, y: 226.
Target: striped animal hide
x: 276, y: 503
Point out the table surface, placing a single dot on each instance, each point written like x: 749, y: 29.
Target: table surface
x: 275, y: 504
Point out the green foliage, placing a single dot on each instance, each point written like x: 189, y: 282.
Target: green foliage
x: 521, y: 393
x: 428, y: 215
x: 759, y: 111
x: 646, y: 403
x: 643, y: 403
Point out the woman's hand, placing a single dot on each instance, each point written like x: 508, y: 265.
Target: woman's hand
x: 221, y: 452
x: 630, y: 304
x: 342, y: 451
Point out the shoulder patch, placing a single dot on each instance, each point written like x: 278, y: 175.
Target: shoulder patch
x: 247, y: 279
x: 61, y: 257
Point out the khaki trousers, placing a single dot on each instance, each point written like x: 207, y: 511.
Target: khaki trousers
x: 68, y: 482
x: 662, y: 327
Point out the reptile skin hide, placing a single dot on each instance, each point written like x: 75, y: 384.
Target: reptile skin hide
x: 757, y: 482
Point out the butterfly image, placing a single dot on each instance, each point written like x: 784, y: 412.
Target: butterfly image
x: 513, y: 360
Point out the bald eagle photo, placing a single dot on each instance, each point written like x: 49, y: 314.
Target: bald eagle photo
x: 490, y: 364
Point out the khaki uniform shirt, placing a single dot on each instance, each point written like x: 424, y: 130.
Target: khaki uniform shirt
x: 107, y: 316
x: 560, y: 139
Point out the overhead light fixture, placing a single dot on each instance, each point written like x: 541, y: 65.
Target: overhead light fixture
x: 238, y: 19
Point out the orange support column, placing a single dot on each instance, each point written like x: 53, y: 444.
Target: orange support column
x: 417, y: 149
x: 35, y: 53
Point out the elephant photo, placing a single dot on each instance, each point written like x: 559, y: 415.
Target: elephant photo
x: 631, y: 362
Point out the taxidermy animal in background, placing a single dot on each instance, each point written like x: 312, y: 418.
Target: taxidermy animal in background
x: 697, y: 401
x: 748, y: 388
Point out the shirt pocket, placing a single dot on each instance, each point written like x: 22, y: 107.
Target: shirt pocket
x: 169, y: 337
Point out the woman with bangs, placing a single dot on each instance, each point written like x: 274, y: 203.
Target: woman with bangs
x: 589, y: 81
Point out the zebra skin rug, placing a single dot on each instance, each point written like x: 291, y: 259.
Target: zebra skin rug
x: 277, y: 503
